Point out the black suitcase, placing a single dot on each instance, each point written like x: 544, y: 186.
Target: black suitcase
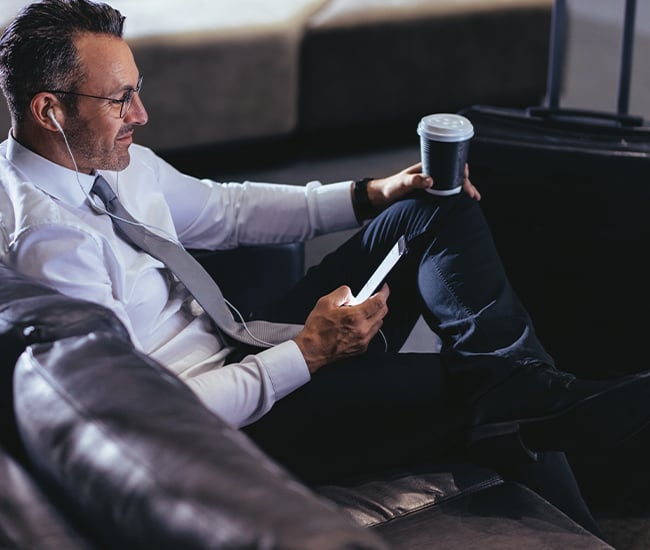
x: 568, y: 140
x: 567, y: 194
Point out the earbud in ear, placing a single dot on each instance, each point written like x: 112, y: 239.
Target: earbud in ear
x: 50, y: 113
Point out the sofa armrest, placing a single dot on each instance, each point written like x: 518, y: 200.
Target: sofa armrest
x: 146, y: 465
x: 28, y: 519
x: 126, y: 447
x: 30, y: 312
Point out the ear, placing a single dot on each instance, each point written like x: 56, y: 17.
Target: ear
x: 40, y: 107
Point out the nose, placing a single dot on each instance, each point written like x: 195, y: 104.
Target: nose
x: 136, y: 114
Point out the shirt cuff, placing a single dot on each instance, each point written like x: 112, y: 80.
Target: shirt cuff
x: 335, y: 205
x: 285, y: 366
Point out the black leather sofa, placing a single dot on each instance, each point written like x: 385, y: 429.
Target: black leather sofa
x: 102, y: 448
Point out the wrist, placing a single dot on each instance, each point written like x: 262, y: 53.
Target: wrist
x: 313, y: 360
x: 361, y: 204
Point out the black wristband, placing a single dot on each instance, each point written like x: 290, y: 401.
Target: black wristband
x: 361, y: 202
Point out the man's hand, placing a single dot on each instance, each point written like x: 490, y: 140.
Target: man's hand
x: 335, y: 330
x: 382, y: 192
x: 468, y: 186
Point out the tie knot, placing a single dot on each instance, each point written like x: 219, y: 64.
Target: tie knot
x: 103, y: 190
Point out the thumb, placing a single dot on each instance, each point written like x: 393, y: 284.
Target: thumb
x: 422, y: 181
x: 342, y: 295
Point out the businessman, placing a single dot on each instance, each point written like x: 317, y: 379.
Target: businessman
x: 332, y: 384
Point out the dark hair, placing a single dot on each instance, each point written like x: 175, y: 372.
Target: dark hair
x: 37, y: 50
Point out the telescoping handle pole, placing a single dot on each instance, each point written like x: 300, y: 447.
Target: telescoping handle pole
x: 556, y: 65
x: 627, y: 48
x: 556, y: 54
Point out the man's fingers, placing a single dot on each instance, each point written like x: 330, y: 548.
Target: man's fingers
x: 376, y: 304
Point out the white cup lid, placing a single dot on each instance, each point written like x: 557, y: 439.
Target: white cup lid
x: 445, y: 127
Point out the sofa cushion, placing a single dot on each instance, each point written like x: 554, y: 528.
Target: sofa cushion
x: 507, y: 516
x: 377, y: 500
x: 457, y: 505
x: 148, y: 466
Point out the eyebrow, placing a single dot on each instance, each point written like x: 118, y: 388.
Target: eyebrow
x: 126, y: 87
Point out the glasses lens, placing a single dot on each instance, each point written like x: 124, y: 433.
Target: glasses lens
x: 126, y: 103
x: 128, y: 99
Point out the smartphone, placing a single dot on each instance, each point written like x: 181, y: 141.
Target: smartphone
x: 381, y: 272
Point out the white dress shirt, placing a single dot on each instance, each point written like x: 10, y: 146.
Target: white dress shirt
x: 51, y: 233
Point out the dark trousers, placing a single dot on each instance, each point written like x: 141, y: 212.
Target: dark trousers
x: 383, y: 409
x: 452, y: 275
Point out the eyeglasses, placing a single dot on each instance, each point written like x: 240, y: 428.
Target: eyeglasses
x: 124, y: 102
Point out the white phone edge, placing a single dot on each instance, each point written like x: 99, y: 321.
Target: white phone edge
x: 381, y: 272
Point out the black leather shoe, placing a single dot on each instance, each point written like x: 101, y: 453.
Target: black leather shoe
x: 553, y: 410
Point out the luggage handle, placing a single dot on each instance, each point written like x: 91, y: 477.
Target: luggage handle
x: 556, y: 56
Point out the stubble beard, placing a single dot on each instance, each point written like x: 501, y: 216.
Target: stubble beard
x: 92, y: 153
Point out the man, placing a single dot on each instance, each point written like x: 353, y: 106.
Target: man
x: 73, y: 89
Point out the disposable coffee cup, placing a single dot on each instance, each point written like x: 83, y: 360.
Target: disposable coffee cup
x: 444, y: 146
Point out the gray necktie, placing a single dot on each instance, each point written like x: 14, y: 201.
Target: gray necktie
x: 190, y: 272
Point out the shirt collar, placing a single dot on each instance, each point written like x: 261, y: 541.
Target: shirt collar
x: 55, y: 180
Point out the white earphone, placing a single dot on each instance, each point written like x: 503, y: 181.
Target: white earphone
x: 160, y: 231
x: 50, y: 113
x: 93, y: 204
